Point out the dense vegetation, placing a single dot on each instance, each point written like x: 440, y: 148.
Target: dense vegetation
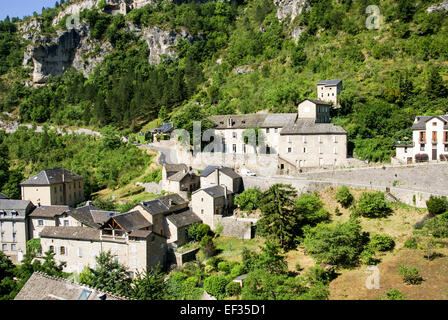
x: 390, y: 75
x: 103, y: 162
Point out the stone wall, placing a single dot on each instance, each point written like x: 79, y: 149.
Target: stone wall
x: 236, y: 228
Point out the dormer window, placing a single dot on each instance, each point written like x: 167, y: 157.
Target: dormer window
x: 230, y: 122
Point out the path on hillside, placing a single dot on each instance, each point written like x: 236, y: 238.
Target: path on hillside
x: 14, y: 126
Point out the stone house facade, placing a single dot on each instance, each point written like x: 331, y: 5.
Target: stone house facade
x: 49, y: 216
x: 179, y: 179
x: 54, y: 187
x: 14, y: 229
x: 223, y: 176
x: 329, y: 90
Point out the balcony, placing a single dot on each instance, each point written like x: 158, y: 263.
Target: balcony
x: 404, y: 143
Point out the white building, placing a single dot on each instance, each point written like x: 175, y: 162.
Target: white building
x: 429, y: 141
x: 329, y: 90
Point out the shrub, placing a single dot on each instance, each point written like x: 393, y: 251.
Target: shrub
x: 208, y: 246
x: 216, y: 285
x: 197, y: 231
x: 373, y: 205
x: 437, y: 205
x: 233, y: 289
x: 438, y: 226
x: 411, y: 243
x: 213, y: 262
x: 153, y: 176
x: 237, y: 270
x: 382, y: 242
x: 224, y: 266
x: 249, y: 199
x: 344, y: 197
x: 337, y: 212
x: 395, y: 294
x: 411, y: 275
x: 192, y: 281
x: 368, y: 257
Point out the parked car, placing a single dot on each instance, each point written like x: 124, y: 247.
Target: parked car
x: 247, y: 172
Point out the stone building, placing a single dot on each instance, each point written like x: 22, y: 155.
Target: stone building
x: 169, y: 217
x: 429, y: 141
x: 77, y: 247
x: 224, y: 176
x: 305, y: 139
x: 41, y: 286
x: 179, y: 179
x: 14, y: 228
x: 212, y: 203
x: 54, y: 187
x: 48, y: 216
x: 329, y: 90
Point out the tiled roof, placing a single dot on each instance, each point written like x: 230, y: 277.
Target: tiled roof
x: 162, y: 205
x: 49, y: 211
x: 183, y: 219
x: 132, y: 221
x: 420, y: 121
x: 91, y: 215
x: 175, y: 167
x: 140, y: 233
x: 41, y: 286
x: 308, y: 126
x: 178, y: 176
x: 316, y: 101
x: 52, y: 176
x: 73, y: 233
x: 215, y: 191
x: 226, y: 170
x: 15, y: 209
x: 258, y: 120
x: 330, y: 82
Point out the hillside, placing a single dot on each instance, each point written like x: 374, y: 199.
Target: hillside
x: 193, y: 59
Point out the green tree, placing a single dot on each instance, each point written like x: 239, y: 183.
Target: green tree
x: 110, y: 276
x: 149, y: 285
x: 438, y: 226
x: 336, y: 244
x: 279, y: 220
x: 216, y: 285
x: 437, y: 205
x: 7, y: 273
x: 373, y: 205
x: 344, y: 197
x: 435, y: 86
x: 249, y: 199
x: 311, y: 210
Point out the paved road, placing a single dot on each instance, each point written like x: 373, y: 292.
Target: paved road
x: 167, y: 155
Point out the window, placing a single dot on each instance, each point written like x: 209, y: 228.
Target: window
x: 55, y: 190
x: 422, y: 147
x: 40, y: 223
x: 234, y: 135
x: 13, y: 247
x: 51, y: 248
x: 446, y: 148
x: 80, y: 252
x: 14, y: 237
x: 422, y: 136
x: 319, y: 138
x: 79, y: 184
x: 60, y: 188
x: 4, y: 247
x: 202, y: 211
x: 405, y: 149
x: 60, y: 198
x: 335, y: 139
x: 289, y: 150
x: 116, y: 259
x: 69, y: 187
x: 304, y: 139
x: 304, y: 150
x: 62, y: 251
x: 3, y: 234
x: 434, y: 136
x: 320, y: 150
x: 79, y: 194
x: 434, y: 124
x: 85, y: 294
x: 234, y: 148
x: 335, y: 150
x: 276, y: 130
x: 268, y: 150
x: 134, y: 262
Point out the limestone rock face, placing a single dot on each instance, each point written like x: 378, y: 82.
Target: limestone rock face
x: 439, y: 7
x: 290, y: 8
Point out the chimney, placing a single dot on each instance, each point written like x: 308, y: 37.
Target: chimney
x: 170, y: 202
x: 217, y: 177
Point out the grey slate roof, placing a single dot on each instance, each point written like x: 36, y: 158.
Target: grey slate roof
x: 49, y: 211
x: 140, y: 233
x: 216, y: 191
x: 317, y: 101
x: 162, y: 205
x: 15, y: 209
x: 2, y: 196
x: 226, y: 170
x: 183, y: 219
x: 175, y: 167
x: 330, y: 82
x: 178, y: 176
x: 258, y: 120
x: 73, y: 233
x: 132, y: 221
x: 91, y: 215
x: 420, y: 123
x: 52, y: 176
x: 41, y: 286
x: 308, y: 126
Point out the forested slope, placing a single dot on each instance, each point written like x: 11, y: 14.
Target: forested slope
x: 241, y: 58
